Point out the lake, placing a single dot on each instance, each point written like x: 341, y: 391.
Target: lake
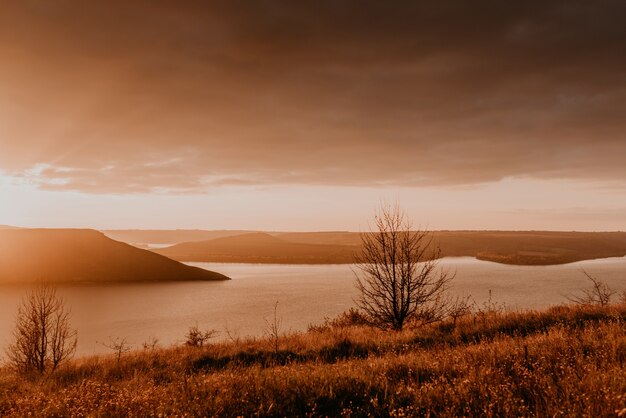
x: 305, y: 294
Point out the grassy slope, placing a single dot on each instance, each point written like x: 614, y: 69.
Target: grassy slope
x: 80, y: 255
x: 567, y: 361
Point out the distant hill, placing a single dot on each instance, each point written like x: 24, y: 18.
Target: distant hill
x: 9, y: 227
x: 167, y: 236
x: 533, y: 247
x: 330, y: 237
x: 82, y: 255
x: 508, y: 247
x: 259, y: 248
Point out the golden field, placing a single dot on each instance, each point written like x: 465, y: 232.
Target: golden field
x: 565, y: 361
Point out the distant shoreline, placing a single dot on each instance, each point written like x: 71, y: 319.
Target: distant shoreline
x: 523, y: 248
x: 192, y: 262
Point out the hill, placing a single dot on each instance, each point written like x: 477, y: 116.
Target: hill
x: 167, y: 236
x: 79, y: 255
x: 259, y: 248
x: 326, y: 237
x: 9, y: 227
x: 508, y: 247
x: 533, y: 247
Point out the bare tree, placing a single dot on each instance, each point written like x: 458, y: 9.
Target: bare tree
x: 599, y: 294
x: 459, y: 307
x: 397, y: 275
x: 118, y: 345
x: 43, y: 338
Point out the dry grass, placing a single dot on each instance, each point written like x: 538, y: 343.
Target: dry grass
x: 566, y: 361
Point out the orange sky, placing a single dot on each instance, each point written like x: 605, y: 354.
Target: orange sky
x: 305, y: 115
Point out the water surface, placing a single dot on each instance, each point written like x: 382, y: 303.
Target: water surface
x: 305, y: 294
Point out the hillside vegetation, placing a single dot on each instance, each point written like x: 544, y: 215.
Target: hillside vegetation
x: 82, y: 255
x: 522, y: 248
x: 566, y: 361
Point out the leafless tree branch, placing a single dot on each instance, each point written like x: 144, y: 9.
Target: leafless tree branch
x: 42, y: 337
x: 598, y: 294
x: 397, y: 272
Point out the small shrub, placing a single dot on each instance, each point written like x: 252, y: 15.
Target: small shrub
x: 350, y: 318
x: 459, y: 307
x: 118, y: 345
x: 151, y: 343
x: 197, y: 338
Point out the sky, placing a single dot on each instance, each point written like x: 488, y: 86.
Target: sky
x: 283, y: 115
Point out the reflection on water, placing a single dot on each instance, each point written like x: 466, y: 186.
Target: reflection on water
x: 306, y: 294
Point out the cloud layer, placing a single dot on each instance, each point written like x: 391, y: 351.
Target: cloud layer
x: 125, y: 97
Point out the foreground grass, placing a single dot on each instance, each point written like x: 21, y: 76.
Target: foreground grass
x: 566, y: 361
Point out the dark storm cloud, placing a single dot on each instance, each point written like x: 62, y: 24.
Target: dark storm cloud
x: 136, y: 96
